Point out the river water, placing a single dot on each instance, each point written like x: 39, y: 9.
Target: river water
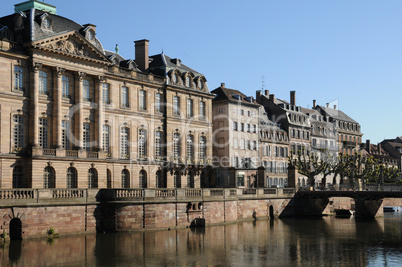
x: 326, y: 241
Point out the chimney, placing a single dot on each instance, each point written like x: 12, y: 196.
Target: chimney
x: 327, y: 105
x: 222, y: 85
x: 334, y: 106
x: 314, y: 103
x: 368, y: 146
x: 379, y: 148
x: 272, y: 98
x: 293, y: 98
x: 141, y: 54
x: 267, y: 93
x: 258, y: 96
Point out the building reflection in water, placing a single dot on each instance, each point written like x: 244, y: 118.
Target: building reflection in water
x: 321, y: 241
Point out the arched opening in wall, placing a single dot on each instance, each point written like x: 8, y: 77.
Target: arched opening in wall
x: 177, y: 179
x: 125, y: 179
x: 143, y: 179
x: 72, y: 181
x: 15, y: 229
x: 49, y: 178
x: 160, y: 180
x: 190, y: 179
x: 17, y: 177
x: 271, y: 212
x: 108, y: 178
x: 92, y: 178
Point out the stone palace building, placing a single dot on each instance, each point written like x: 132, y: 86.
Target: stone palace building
x: 74, y: 115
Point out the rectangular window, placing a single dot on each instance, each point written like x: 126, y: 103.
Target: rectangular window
x: 106, y: 93
x: 203, y: 148
x: 86, y: 139
x: 234, y: 126
x: 86, y: 90
x: 254, y: 145
x: 124, y: 97
x: 124, y: 143
x: 189, y: 108
x: 142, y: 143
x: 142, y: 105
x: 18, y: 78
x: 65, y: 80
x: 242, y: 112
x: 43, y: 83
x: 190, y: 147
x: 176, y: 146
x: 65, y: 135
x: 235, y: 143
x: 106, y: 139
x: 202, y: 110
x: 43, y: 133
x: 220, y: 110
x: 158, y: 145
x: 242, y: 127
x: 241, y: 143
x: 158, y: 102
x: 18, y: 132
x: 176, y: 105
x: 248, y: 127
x: 254, y: 128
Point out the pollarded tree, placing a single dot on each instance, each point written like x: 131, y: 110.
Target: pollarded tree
x: 308, y: 164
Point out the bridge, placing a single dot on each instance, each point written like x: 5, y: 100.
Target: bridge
x: 368, y: 204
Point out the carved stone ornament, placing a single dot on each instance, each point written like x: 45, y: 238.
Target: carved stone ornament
x: 36, y: 66
x: 59, y: 71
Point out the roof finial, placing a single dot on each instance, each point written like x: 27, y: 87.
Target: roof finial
x: 117, y: 48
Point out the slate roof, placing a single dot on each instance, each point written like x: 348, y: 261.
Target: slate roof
x: 32, y: 30
x: 223, y: 93
x: 337, y: 114
x: 161, y: 64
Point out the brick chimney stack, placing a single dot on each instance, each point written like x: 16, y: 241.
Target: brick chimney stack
x: 267, y: 93
x: 141, y: 54
x: 258, y: 96
x: 368, y: 147
x: 272, y: 98
x: 293, y: 98
x: 223, y: 85
x: 314, y: 103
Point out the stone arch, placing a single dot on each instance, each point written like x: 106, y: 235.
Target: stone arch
x: 125, y: 178
x: 72, y: 180
x: 18, y: 177
x: 143, y: 180
x: 49, y: 177
x: 92, y: 178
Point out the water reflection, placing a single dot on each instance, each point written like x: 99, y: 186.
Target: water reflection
x: 324, y: 241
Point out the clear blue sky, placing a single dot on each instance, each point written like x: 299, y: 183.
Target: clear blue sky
x: 347, y: 51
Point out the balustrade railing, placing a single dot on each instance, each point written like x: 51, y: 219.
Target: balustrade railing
x: 129, y: 193
x: 91, y: 154
x: 216, y: 192
x: 165, y: 193
x: 68, y: 193
x: 193, y: 192
x: 49, y: 152
x: 72, y: 153
x: 249, y: 191
x: 17, y: 194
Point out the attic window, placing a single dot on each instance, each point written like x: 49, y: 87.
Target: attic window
x: 90, y: 35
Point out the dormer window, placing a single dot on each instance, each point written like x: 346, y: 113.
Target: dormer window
x: 46, y: 23
x: 200, y: 85
x: 174, y: 78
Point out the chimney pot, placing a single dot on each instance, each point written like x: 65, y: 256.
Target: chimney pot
x: 223, y: 85
x: 368, y: 146
x: 267, y: 92
x: 334, y: 106
x: 141, y: 54
x: 272, y: 98
x: 327, y: 105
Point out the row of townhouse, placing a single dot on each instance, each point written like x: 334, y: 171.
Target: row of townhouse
x: 255, y: 137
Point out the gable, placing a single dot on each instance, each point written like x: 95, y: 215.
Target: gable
x: 73, y: 45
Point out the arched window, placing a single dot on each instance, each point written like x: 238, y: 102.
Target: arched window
x: 72, y: 178
x: 17, y: 177
x: 190, y: 179
x: 86, y: 90
x: 92, y: 178
x: 187, y: 81
x: 143, y: 179
x: 49, y: 179
x: 177, y: 180
x: 125, y: 179
x: 109, y: 178
x: 158, y: 145
x: 106, y: 139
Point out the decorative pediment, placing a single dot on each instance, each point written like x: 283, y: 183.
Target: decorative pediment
x: 73, y: 45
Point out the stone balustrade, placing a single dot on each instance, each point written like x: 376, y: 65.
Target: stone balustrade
x: 45, y: 196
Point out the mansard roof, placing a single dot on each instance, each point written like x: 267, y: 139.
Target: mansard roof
x: 166, y: 63
x: 223, y: 93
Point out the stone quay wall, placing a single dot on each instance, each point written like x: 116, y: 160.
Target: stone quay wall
x: 79, y: 211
